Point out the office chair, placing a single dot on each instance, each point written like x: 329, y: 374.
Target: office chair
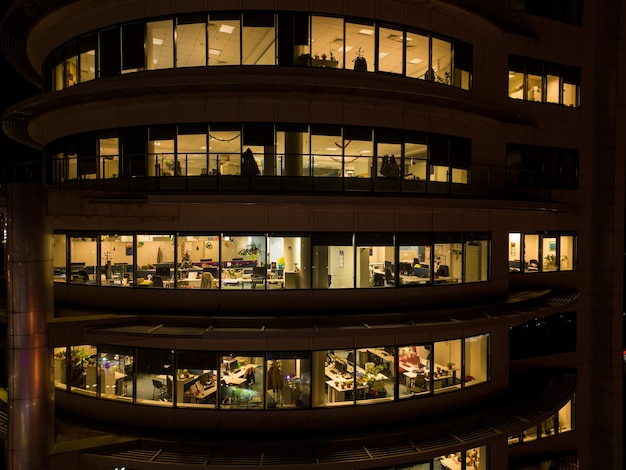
x: 419, y: 384
x: 157, y: 281
x: 206, y: 280
x: 160, y: 389
x: 389, y: 277
x: 258, y: 276
x: 443, y: 271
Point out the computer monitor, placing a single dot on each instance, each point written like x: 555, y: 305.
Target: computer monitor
x: 163, y: 273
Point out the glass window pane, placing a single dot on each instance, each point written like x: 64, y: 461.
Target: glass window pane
x: 375, y: 374
x: 160, y: 45
x: 476, y: 263
x: 192, y: 154
x: 241, y: 381
x: 416, y: 55
x: 196, y: 379
x: 292, y: 149
x: 326, y: 151
x: 414, y: 376
x: 116, y: 372
x: 109, y: 153
x: 333, y: 264
x: 553, y: 89
x: 476, y: 360
x: 87, y: 58
x: 516, y: 78
x: 570, y: 94
x: 83, y: 370
x: 442, y: 61
x: 339, y: 374
x: 515, y: 252
x: 358, y: 148
x: 389, y: 159
x: 133, y: 55
x: 327, y: 39
x: 390, y: 50
x: 198, y: 266
x: 116, y: 258
x: 243, y: 261
x: 224, y: 41
x: 258, y: 39
x: 60, y: 367
x: 549, y: 254
x: 534, y: 87
x: 568, y: 252
x: 225, y: 151
x: 415, y: 161
x: 359, y: 48
x: 161, y: 155
x: 415, y: 262
x: 566, y: 417
x: 374, y: 264
x: 446, y: 367
x: 191, y: 48
x: 71, y: 72
x: 288, y: 380
x: 448, y: 263
x: 59, y: 258
x: 155, y: 260
x: 289, y: 262
x: 531, y: 253
x: 83, y: 259
x: 154, y: 377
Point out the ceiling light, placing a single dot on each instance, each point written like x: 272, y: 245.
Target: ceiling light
x: 382, y: 55
x: 366, y: 32
x: 226, y: 28
x: 214, y: 51
x: 331, y: 149
x: 415, y: 61
x: 346, y: 48
x: 157, y: 41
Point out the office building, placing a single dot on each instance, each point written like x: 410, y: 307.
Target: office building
x: 368, y: 234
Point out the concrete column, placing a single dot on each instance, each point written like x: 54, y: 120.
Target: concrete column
x: 30, y: 305
x: 293, y: 154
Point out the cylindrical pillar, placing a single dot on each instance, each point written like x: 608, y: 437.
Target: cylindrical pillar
x: 30, y: 305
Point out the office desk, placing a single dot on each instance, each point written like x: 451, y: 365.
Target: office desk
x: 189, y: 397
x: 451, y: 464
x: 404, y: 280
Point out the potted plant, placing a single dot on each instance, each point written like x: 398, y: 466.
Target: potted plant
x: 450, y: 365
x: 79, y: 358
x: 372, y: 377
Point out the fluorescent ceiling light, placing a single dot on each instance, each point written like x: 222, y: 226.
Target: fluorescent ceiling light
x: 382, y: 55
x: 157, y: 41
x: 331, y: 149
x: 214, y: 51
x: 366, y: 32
x: 346, y: 49
x: 226, y: 28
x: 415, y: 61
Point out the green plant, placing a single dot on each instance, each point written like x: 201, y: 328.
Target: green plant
x: 373, y: 377
x: 550, y: 259
x: 251, y: 249
x: 450, y: 365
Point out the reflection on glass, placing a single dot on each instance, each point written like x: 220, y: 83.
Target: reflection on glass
x: 83, y: 370
x: 242, y: 382
x: 116, y: 372
x: 160, y: 45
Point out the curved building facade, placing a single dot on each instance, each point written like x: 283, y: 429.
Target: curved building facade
x: 334, y: 235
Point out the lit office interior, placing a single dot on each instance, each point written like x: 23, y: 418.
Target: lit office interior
x: 256, y: 38
x: 273, y: 379
x: 542, y: 252
x: 255, y: 261
x: 332, y: 157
